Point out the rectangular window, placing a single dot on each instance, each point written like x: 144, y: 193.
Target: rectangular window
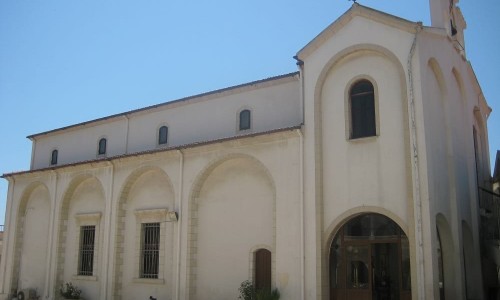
x: 86, y: 259
x: 150, y: 250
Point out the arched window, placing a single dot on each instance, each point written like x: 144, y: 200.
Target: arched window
x: 362, y: 109
x: 245, y: 119
x: 53, y: 157
x: 262, y: 278
x: 102, y: 147
x: 162, y: 135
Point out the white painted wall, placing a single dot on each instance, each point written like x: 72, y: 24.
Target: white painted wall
x: 274, y: 104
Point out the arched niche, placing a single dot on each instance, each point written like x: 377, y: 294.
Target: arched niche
x: 232, y: 209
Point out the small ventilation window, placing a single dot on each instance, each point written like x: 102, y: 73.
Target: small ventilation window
x: 53, y: 157
x: 102, y: 146
x: 163, y: 135
x: 245, y: 119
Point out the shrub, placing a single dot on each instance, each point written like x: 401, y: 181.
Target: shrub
x: 248, y: 292
x: 70, y: 291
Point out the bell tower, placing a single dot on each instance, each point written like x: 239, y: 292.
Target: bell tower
x: 447, y: 15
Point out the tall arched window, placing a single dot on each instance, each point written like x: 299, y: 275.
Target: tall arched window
x: 162, y: 135
x: 53, y: 157
x: 245, y: 119
x: 362, y: 108
x: 262, y: 269
x: 102, y: 147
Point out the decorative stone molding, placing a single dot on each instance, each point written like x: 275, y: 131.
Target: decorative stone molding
x: 156, y: 215
x: 88, y: 219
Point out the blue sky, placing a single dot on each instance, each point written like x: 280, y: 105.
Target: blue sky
x: 68, y: 61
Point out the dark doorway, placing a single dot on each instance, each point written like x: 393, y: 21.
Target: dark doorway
x: 369, y: 260
x: 263, y: 269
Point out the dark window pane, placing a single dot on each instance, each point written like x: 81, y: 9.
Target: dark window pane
x: 163, y: 135
x: 53, y: 159
x: 150, y: 250
x: 362, y: 110
x: 245, y: 119
x: 102, y: 146
x: 86, y: 257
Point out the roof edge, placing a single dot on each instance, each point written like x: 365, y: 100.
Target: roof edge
x: 355, y: 10
x: 167, y: 103
x: 147, y: 152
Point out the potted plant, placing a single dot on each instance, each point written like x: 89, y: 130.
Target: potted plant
x: 70, y: 291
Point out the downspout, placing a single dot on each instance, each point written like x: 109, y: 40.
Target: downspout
x: 126, y: 135
x: 107, y: 227
x: 302, y: 223
x: 300, y: 64
x: 415, y: 172
x: 179, y: 227
x: 48, y: 272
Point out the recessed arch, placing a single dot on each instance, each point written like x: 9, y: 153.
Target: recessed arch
x: 89, y: 184
x: 368, y: 256
x: 438, y: 73
x: 444, y: 238
x: 255, y: 187
x: 30, y: 190
x: 130, y: 188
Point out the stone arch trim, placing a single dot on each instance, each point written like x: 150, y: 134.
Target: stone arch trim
x: 63, y: 224
x: 19, y: 235
x: 461, y: 86
x: 193, y: 212
x: 120, y: 222
x: 438, y: 73
x: 251, y: 261
x: 348, y: 215
x: 348, y: 52
x: 344, y: 218
x: 447, y: 252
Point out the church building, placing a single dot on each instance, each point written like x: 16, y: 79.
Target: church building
x: 355, y: 177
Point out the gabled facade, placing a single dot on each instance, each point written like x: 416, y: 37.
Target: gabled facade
x: 355, y: 178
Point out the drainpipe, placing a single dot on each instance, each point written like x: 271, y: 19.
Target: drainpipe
x: 48, y: 278
x: 300, y: 64
x: 301, y: 195
x: 415, y: 172
x: 107, y: 229
x: 179, y: 222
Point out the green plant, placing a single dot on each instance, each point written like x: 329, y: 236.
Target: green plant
x: 267, y: 294
x: 70, y: 291
x: 246, y: 290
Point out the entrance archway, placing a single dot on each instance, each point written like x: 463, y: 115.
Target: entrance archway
x: 370, y: 260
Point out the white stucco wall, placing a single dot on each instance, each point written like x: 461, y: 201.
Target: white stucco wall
x: 274, y: 104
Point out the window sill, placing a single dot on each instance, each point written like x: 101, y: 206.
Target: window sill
x: 84, y: 278
x: 148, y: 281
x: 363, y: 139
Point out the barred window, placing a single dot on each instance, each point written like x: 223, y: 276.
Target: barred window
x: 150, y: 248
x: 86, y: 257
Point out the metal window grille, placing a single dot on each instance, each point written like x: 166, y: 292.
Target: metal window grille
x: 86, y: 261
x: 150, y: 250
